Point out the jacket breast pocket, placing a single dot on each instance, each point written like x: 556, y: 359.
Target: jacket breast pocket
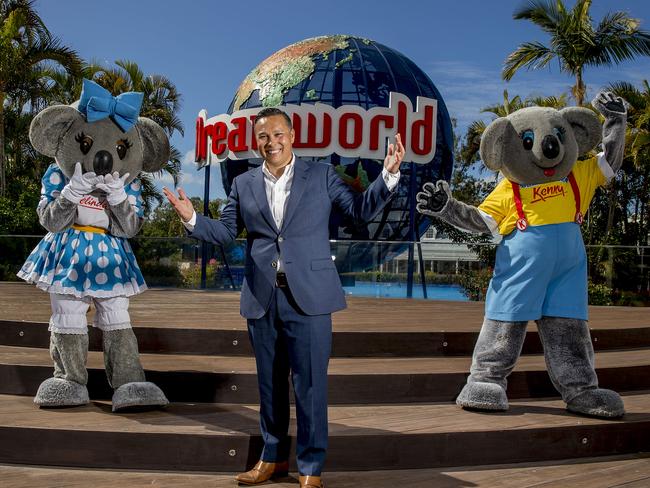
x: 325, y: 263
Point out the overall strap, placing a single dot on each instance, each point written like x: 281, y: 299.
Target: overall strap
x: 522, y: 222
x: 576, y: 196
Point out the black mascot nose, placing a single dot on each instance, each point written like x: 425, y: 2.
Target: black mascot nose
x: 103, y: 163
x: 550, y: 147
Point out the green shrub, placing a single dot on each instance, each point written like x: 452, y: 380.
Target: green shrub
x: 475, y: 283
x: 599, y: 294
x: 157, y: 274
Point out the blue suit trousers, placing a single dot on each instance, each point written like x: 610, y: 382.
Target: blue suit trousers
x: 287, y: 342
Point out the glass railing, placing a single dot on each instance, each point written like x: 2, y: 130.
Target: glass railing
x: 433, y: 269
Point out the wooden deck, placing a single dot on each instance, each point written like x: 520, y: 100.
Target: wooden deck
x: 174, y: 308
x: 396, y: 369
x: 608, y: 472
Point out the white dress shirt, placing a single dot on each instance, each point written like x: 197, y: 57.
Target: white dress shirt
x: 278, y: 190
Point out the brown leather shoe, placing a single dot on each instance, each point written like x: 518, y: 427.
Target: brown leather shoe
x: 263, y: 471
x: 311, y: 482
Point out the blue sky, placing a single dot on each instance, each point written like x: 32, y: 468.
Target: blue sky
x: 207, y: 47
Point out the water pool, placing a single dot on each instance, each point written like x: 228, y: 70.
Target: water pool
x: 398, y: 290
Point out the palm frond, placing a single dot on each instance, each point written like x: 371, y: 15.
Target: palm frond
x: 531, y: 55
x: 545, y: 14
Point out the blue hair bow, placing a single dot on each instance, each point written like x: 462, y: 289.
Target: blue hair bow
x: 97, y: 103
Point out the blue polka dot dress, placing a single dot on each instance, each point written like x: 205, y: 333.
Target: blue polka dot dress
x: 82, y: 263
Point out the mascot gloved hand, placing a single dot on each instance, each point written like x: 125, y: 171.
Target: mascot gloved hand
x: 540, y: 274
x: 90, y: 204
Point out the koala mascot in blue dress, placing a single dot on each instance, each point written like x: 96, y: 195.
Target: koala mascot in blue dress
x: 91, y: 204
x: 540, y: 273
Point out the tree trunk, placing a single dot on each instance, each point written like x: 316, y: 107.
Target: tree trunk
x: 3, y: 162
x: 579, y: 89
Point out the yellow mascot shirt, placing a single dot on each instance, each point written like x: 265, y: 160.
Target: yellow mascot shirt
x: 547, y: 203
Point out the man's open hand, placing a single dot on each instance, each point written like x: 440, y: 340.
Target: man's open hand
x: 182, y: 204
x: 394, y: 156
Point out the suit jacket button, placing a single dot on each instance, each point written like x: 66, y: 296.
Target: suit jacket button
x: 274, y: 264
x: 280, y: 239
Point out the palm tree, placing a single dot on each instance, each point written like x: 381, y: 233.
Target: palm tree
x: 638, y: 150
x: 161, y: 104
x: 27, y: 49
x: 575, y: 42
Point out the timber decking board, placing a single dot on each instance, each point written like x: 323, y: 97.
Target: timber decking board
x: 220, y: 310
x: 369, y: 420
x: 22, y: 356
x: 631, y: 471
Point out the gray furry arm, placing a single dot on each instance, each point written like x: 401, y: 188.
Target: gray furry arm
x: 465, y: 217
x: 436, y: 201
x: 57, y: 215
x: 614, y: 110
x: 614, y: 142
x: 123, y: 220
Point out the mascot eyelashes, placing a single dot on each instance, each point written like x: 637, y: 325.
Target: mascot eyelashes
x: 90, y: 204
x: 541, y: 267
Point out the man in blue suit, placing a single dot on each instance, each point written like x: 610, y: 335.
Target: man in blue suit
x: 290, y: 286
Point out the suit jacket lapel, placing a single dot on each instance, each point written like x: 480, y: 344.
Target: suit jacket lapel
x: 300, y: 173
x: 259, y: 193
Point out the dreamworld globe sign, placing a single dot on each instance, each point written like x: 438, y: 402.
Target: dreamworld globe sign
x: 347, y: 97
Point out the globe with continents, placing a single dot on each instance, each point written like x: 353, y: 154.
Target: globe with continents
x: 346, y: 70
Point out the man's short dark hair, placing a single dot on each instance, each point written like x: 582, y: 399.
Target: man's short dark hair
x: 271, y: 111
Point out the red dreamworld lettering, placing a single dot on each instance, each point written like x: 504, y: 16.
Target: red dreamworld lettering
x: 237, y: 137
x: 253, y: 140
x: 219, y: 133
x: 312, y: 138
x: 201, y: 141
x: 386, y: 120
x: 349, y: 130
x: 357, y: 130
x: 420, y: 143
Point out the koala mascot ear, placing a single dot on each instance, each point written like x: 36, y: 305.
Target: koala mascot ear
x: 496, y: 141
x: 50, y: 126
x: 155, y: 145
x: 586, y: 127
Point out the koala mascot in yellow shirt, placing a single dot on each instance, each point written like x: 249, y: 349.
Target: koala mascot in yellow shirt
x: 540, y: 271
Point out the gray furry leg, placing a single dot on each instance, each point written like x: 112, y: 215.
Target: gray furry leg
x: 496, y: 352
x: 67, y: 388
x: 125, y: 373
x: 569, y: 358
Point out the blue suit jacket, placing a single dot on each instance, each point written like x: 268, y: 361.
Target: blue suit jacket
x: 303, y: 240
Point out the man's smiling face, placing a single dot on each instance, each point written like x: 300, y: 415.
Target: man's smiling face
x: 274, y: 140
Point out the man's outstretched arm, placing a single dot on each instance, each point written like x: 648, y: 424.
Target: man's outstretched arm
x: 220, y: 231
x: 362, y: 207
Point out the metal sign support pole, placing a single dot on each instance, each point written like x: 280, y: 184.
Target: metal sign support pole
x: 206, y: 212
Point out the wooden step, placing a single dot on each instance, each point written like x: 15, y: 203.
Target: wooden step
x: 193, y: 322
x: 229, y: 379
x: 225, y: 437
x: 235, y: 342
x: 630, y: 471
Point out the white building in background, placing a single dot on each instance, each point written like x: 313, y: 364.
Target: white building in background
x: 440, y: 255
